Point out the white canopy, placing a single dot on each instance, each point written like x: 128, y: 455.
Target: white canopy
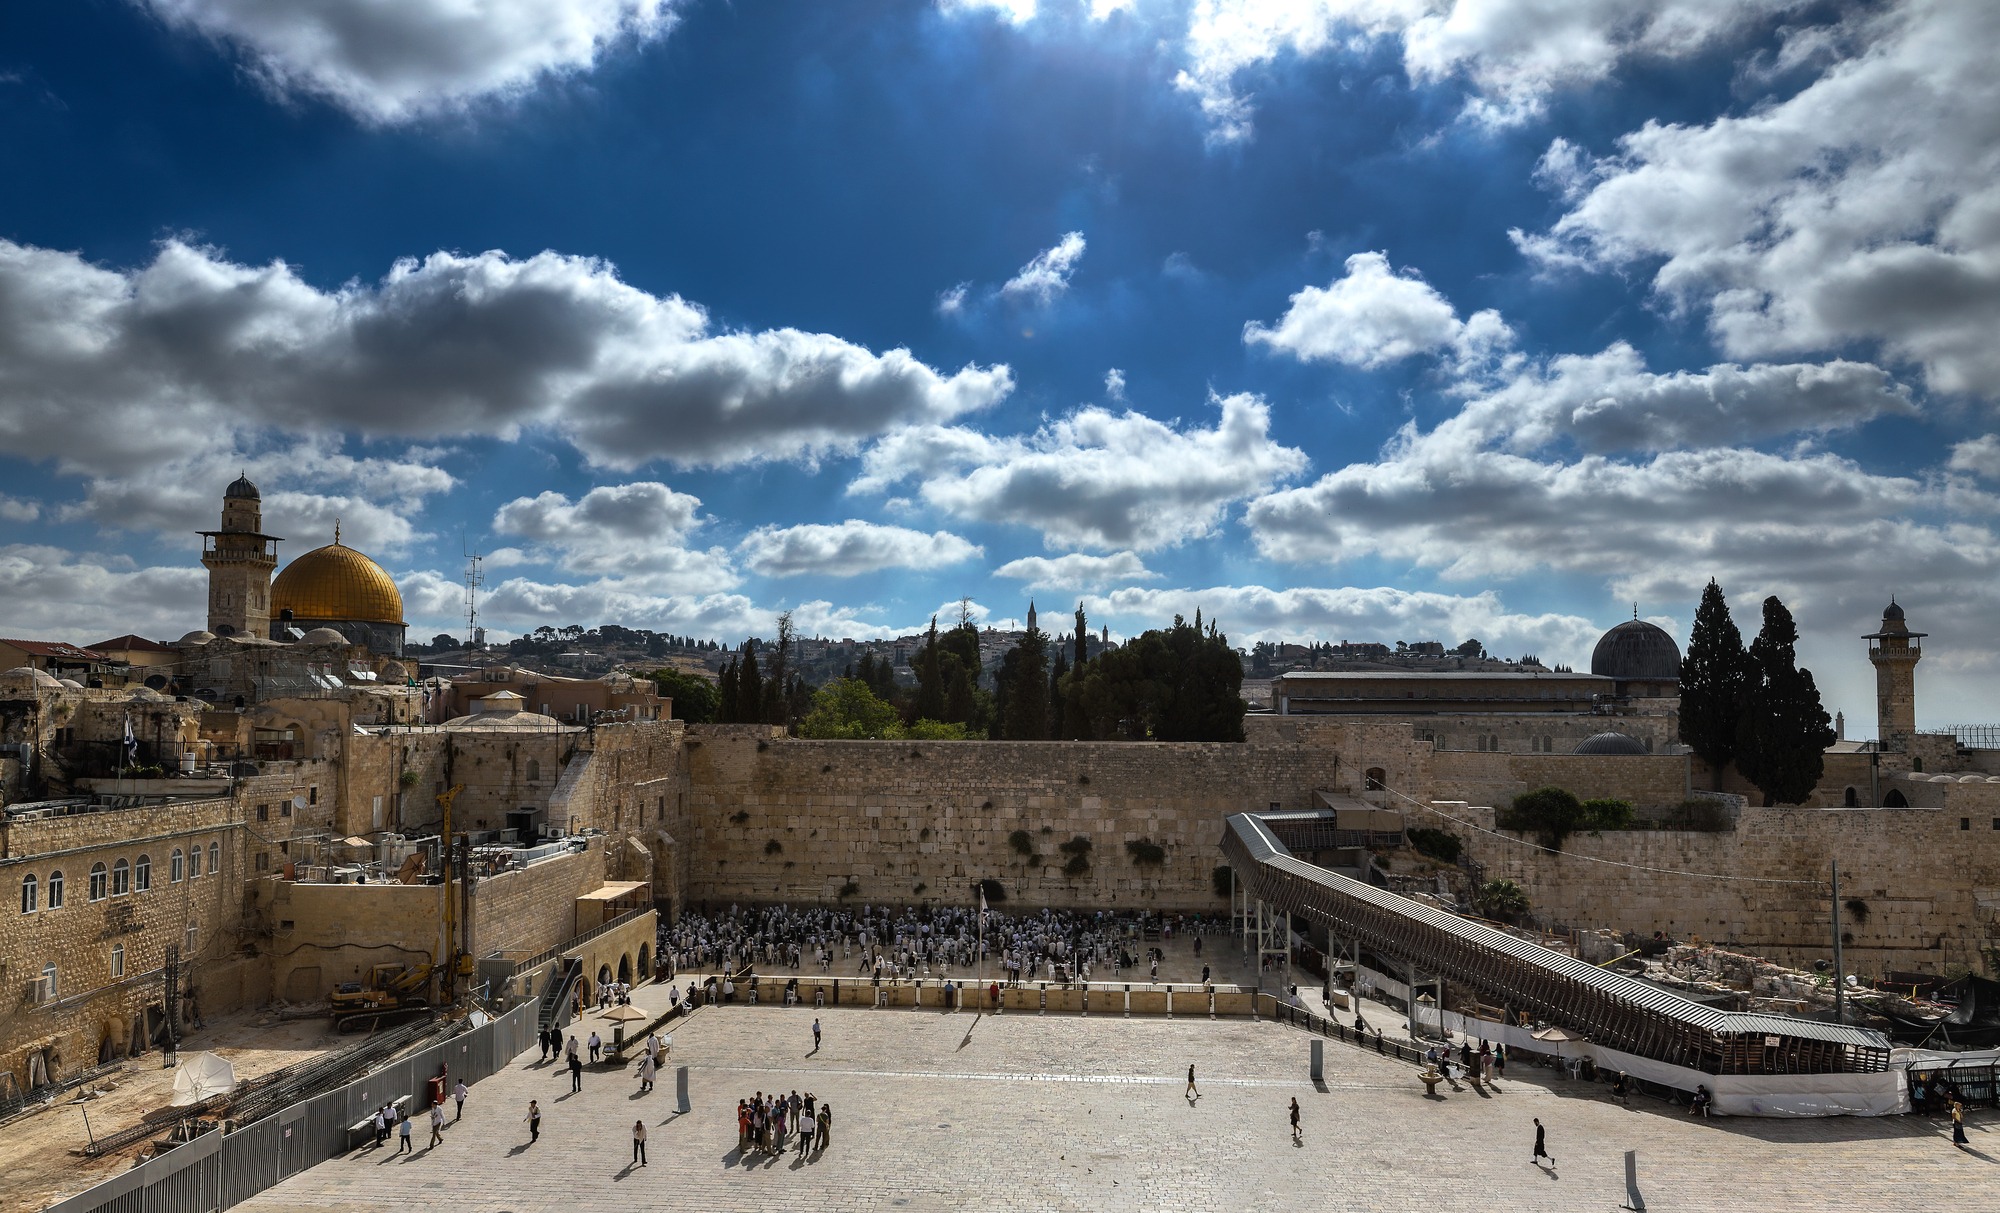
x: 202, y: 1076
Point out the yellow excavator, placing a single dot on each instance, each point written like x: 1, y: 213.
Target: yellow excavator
x: 391, y: 992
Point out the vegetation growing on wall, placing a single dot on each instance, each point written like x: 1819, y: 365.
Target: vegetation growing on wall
x: 1437, y: 844
x: 1078, y: 850
x: 1552, y: 814
x: 1145, y: 850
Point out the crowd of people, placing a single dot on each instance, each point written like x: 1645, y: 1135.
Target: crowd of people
x: 890, y: 944
x: 764, y: 1121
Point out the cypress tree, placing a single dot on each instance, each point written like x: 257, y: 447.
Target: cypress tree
x: 1082, y: 639
x: 749, y: 686
x: 1057, y: 672
x: 1782, y: 737
x: 1024, y: 680
x: 725, y: 711
x: 1714, y: 681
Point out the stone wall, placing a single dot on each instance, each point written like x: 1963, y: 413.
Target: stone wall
x: 1647, y: 780
x: 1929, y: 879
x: 793, y: 820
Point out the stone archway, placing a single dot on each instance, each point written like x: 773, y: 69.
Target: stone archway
x: 625, y: 968
x: 645, y: 961
x: 603, y: 974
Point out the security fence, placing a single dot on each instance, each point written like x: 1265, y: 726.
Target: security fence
x: 221, y: 1170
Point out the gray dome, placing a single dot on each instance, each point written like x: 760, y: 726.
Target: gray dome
x: 1894, y: 611
x: 322, y: 636
x: 197, y: 637
x: 1610, y: 743
x: 1637, y: 651
x: 241, y: 488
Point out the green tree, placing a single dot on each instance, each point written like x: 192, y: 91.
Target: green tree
x: 696, y: 699
x: 1714, y: 680
x: 929, y: 700
x: 1175, y: 684
x: 776, y: 699
x: 1058, y: 670
x: 846, y: 709
x: 1023, y: 684
x: 1782, y: 736
x: 749, y: 686
x: 1082, y: 640
x: 1501, y: 899
x: 1551, y: 814
x: 726, y: 709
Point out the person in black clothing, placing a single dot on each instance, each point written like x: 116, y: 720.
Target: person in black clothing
x: 1541, y: 1145
x: 575, y: 1072
x: 1295, y: 1120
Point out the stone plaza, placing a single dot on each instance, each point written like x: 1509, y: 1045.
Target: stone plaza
x: 1022, y: 1111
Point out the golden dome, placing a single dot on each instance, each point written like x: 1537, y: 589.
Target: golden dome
x: 339, y: 583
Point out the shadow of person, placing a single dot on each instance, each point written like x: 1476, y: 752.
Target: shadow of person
x: 520, y: 1149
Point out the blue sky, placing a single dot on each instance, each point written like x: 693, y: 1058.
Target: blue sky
x: 1362, y: 319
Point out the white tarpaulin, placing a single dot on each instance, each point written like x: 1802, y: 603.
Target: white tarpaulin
x: 202, y: 1076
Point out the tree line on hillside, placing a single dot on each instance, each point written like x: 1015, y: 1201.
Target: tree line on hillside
x: 1179, y: 683
x: 1756, y: 706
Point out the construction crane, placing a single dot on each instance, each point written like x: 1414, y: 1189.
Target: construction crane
x: 454, y: 959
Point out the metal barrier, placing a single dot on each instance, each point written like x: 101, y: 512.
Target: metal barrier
x: 219, y: 1171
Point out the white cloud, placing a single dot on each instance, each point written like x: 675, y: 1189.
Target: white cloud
x: 1114, y: 385
x: 1980, y: 456
x: 1093, y: 479
x: 1862, y: 208
x: 1013, y: 12
x: 102, y: 369
x: 1076, y: 571
x: 1046, y: 276
x: 850, y: 548
x: 1251, y: 613
x: 52, y: 594
x: 14, y: 509
x: 392, y: 62
x: 1374, y: 316
x: 1514, y: 53
x: 951, y: 301
x: 635, y: 532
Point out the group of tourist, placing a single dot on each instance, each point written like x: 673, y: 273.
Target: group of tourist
x: 1488, y: 1063
x: 762, y: 1122
x: 887, y: 944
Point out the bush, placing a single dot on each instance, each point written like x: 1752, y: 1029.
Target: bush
x: 1501, y: 899
x: 1700, y: 814
x: 1022, y: 842
x: 1551, y: 814
x: 1857, y: 909
x: 995, y: 891
x: 1145, y: 850
x: 1438, y: 844
x: 1607, y: 813
x: 740, y: 816
x: 1077, y: 845
x: 773, y: 847
x: 409, y: 779
x: 1225, y: 880
x: 849, y: 889
x: 1078, y: 864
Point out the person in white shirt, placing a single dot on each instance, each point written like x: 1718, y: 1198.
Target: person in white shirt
x: 459, y: 1093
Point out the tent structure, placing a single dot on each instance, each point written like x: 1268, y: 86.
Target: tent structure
x: 202, y: 1076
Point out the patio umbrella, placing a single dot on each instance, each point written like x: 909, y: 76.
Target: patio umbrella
x: 624, y: 1014
x: 202, y: 1076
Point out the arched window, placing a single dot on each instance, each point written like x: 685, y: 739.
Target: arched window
x: 215, y: 859
x: 1850, y: 799
x: 1895, y: 799
x: 31, y: 894
x: 1917, y: 765
x: 100, y: 882
x: 121, y: 878
x: 176, y: 866
x: 534, y: 770
x: 1375, y: 779
x: 194, y: 862
x: 142, y: 874
x: 56, y: 889
x: 117, y: 961
x: 49, y: 987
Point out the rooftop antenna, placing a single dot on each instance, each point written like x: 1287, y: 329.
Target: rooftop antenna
x: 475, y: 578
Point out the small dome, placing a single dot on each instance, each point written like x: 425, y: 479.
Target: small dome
x: 1610, y: 743
x: 148, y: 695
x: 30, y: 677
x: 1637, y: 651
x: 241, y: 488
x: 323, y: 636
x: 1893, y: 611
x: 196, y: 637
x: 70, y: 683
x: 394, y: 671
x: 336, y: 582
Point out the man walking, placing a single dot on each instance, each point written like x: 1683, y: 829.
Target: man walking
x: 1296, y: 1138
x: 459, y: 1093
x: 645, y: 1073
x: 544, y: 1035
x: 1193, y: 1093
x: 437, y: 1126
x: 575, y: 1073
x: 1541, y: 1145
x: 403, y: 1134
x: 534, y: 1119
x: 815, y: 1034
x: 639, y: 1142
x: 596, y: 1048
x: 825, y: 1126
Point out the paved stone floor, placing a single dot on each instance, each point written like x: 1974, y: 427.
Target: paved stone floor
x: 1016, y: 1111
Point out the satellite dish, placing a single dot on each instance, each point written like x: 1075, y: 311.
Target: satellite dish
x: 299, y: 801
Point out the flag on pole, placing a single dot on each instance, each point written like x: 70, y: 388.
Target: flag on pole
x: 131, y: 742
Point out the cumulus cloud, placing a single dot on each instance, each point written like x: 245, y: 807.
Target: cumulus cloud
x: 1114, y: 384
x: 951, y: 300
x: 633, y: 531
x: 53, y: 594
x: 1076, y: 571
x: 102, y: 369
x: 1046, y: 276
x: 1512, y: 53
x: 14, y: 509
x: 1013, y: 12
x: 392, y: 62
x: 849, y: 549
x: 1250, y: 613
x: 1094, y: 479
x: 1373, y: 316
x: 1862, y: 208
x: 1980, y: 456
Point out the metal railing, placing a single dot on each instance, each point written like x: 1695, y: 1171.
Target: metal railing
x: 542, y: 958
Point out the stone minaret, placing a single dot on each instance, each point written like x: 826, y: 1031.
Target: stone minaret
x: 240, y: 559
x: 1894, y: 651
